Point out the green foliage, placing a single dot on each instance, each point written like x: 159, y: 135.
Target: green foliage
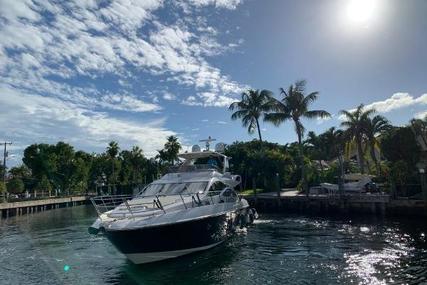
x: 2, y: 192
x: 2, y: 188
x: 47, y: 167
x: 261, y: 161
x: 44, y: 186
x: 15, y: 186
x: 355, y: 124
x: 295, y: 105
x: 400, y: 144
x: 253, y: 105
x: 169, y: 154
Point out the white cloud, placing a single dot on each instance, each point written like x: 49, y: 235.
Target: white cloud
x: 191, y: 101
x: 229, y: 4
x: 396, y: 101
x: 169, y: 96
x: 222, y: 122
x: 127, y: 103
x: 208, y: 99
x: 421, y: 115
x: 85, y: 38
x: 35, y: 117
x: 57, y: 60
x: 321, y: 120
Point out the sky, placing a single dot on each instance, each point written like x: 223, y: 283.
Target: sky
x: 90, y: 71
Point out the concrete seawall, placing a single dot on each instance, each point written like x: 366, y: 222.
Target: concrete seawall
x: 34, y: 206
x: 379, y: 205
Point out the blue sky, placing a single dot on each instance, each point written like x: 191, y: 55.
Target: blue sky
x: 87, y: 71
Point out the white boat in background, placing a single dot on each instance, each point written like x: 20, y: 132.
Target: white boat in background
x: 353, y: 183
x: 192, y: 208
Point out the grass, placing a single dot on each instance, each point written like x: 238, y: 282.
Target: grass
x: 251, y: 191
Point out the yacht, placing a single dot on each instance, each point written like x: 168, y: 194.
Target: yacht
x: 191, y: 208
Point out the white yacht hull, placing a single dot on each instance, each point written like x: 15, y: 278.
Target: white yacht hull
x: 141, y: 258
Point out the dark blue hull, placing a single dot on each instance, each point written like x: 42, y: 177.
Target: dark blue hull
x: 167, y: 241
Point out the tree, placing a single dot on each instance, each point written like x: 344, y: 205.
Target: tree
x: 112, y: 151
x: 316, y: 148
x: 251, y: 107
x: 400, y: 144
x: 373, y: 128
x: 137, y: 161
x: 169, y: 154
x: 44, y: 186
x: 419, y: 127
x: 355, y: 122
x: 172, y: 147
x: 41, y: 160
x: 64, y: 154
x: 294, y: 105
x: 262, y: 166
x: 15, y: 186
x: 2, y: 191
x: 333, y: 141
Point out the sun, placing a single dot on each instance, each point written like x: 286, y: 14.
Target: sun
x: 361, y: 12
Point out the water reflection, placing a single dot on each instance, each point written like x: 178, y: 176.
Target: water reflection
x: 276, y: 250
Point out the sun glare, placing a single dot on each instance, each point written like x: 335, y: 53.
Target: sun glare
x: 361, y: 12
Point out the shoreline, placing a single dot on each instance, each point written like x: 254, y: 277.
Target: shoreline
x: 354, y: 204
x: 9, y: 209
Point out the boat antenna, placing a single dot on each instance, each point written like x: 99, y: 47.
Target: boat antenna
x: 208, y: 141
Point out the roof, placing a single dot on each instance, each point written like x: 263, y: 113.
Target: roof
x: 194, y: 155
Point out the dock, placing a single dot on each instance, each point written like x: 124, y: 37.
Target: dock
x: 34, y: 206
x: 371, y: 204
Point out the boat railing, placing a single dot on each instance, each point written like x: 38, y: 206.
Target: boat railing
x: 152, y: 205
x: 193, y: 168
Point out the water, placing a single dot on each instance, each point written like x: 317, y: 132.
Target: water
x: 54, y: 247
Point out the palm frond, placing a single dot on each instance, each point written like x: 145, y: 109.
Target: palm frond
x: 316, y: 114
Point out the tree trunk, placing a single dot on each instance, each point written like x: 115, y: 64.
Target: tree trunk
x: 301, y: 160
x: 259, y: 130
x: 360, y: 155
x: 374, y: 158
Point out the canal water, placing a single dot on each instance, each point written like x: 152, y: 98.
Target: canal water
x: 53, y: 247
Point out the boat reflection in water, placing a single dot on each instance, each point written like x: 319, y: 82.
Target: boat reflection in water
x: 192, y: 208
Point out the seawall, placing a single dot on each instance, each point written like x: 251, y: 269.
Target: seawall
x: 34, y: 206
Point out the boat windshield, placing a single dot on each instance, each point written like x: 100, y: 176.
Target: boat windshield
x: 174, y: 188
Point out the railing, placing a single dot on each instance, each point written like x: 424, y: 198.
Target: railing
x: 152, y: 205
x: 194, y: 167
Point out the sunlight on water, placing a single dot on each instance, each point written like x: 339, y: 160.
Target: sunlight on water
x: 54, y: 247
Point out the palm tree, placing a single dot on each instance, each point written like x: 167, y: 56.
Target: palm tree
x: 294, y: 106
x: 355, y: 127
x: 251, y: 107
x: 172, y: 147
x: 137, y: 161
x: 316, y: 147
x: 112, y: 151
x: 333, y: 141
x: 170, y: 151
x: 374, y: 127
x: 419, y: 127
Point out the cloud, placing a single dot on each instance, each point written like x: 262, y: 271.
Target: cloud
x: 321, y: 120
x: 229, y: 4
x: 66, y: 68
x: 395, y: 102
x: 87, y: 38
x: 208, y: 99
x: 169, y: 96
x: 51, y: 119
x: 222, y: 122
x: 421, y: 115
